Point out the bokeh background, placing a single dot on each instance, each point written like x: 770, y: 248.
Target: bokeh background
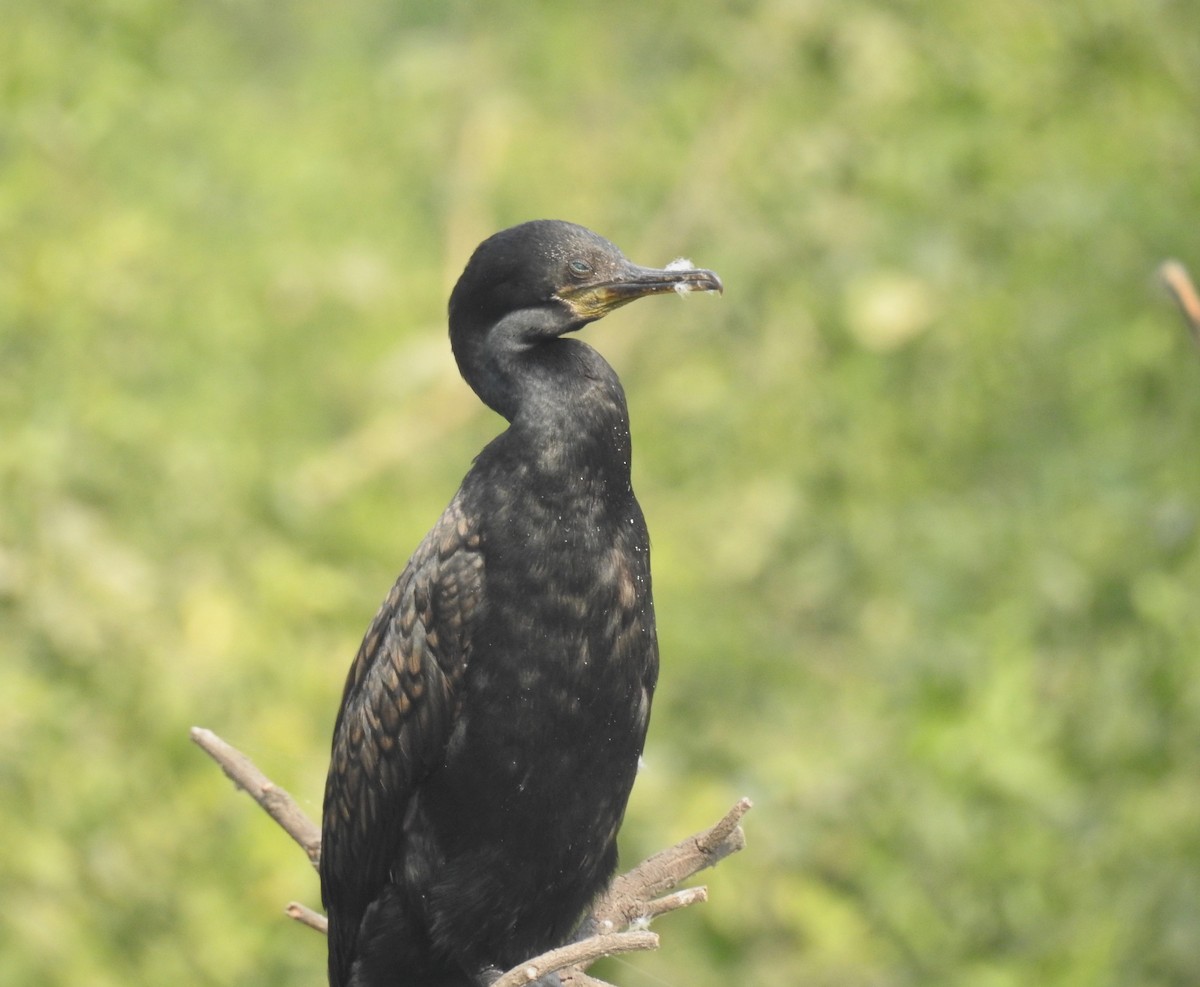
x: 924, y: 485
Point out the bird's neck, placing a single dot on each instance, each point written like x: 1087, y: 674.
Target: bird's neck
x: 568, y: 421
x: 573, y: 420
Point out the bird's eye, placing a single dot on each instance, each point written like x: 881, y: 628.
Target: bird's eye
x: 580, y: 267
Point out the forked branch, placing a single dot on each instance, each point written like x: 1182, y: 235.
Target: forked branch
x: 630, y: 903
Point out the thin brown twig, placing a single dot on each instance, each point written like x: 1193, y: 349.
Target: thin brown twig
x: 577, y: 978
x: 306, y: 916
x: 278, y: 804
x: 1175, y: 276
x: 580, y: 954
x: 673, y: 902
x: 629, y: 894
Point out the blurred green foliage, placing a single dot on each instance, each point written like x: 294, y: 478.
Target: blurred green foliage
x: 924, y: 485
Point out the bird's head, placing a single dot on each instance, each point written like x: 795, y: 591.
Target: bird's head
x: 534, y: 282
x: 563, y: 275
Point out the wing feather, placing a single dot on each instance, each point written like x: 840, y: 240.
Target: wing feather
x: 397, y: 712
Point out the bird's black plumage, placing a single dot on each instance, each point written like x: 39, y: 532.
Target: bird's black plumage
x: 493, y: 719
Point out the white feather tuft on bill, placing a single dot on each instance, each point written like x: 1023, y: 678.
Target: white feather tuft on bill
x: 681, y: 264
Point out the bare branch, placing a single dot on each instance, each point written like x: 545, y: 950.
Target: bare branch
x: 1175, y: 276
x: 629, y: 894
x: 634, y: 897
x: 577, y: 978
x: 673, y: 902
x: 278, y: 804
x: 632, y: 900
x: 306, y: 916
x: 580, y: 954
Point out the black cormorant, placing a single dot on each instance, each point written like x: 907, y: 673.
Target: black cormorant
x: 493, y: 718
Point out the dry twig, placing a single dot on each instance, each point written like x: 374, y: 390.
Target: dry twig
x: 306, y: 916
x: 1175, y: 276
x: 278, y: 804
x: 633, y: 899
x: 577, y: 954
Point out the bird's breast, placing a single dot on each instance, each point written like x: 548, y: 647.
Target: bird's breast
x: 560, y: 672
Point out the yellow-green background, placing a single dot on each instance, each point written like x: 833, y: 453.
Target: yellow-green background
x: 924, y: 485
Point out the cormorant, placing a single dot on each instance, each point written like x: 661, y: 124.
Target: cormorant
x: 493, y: 719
